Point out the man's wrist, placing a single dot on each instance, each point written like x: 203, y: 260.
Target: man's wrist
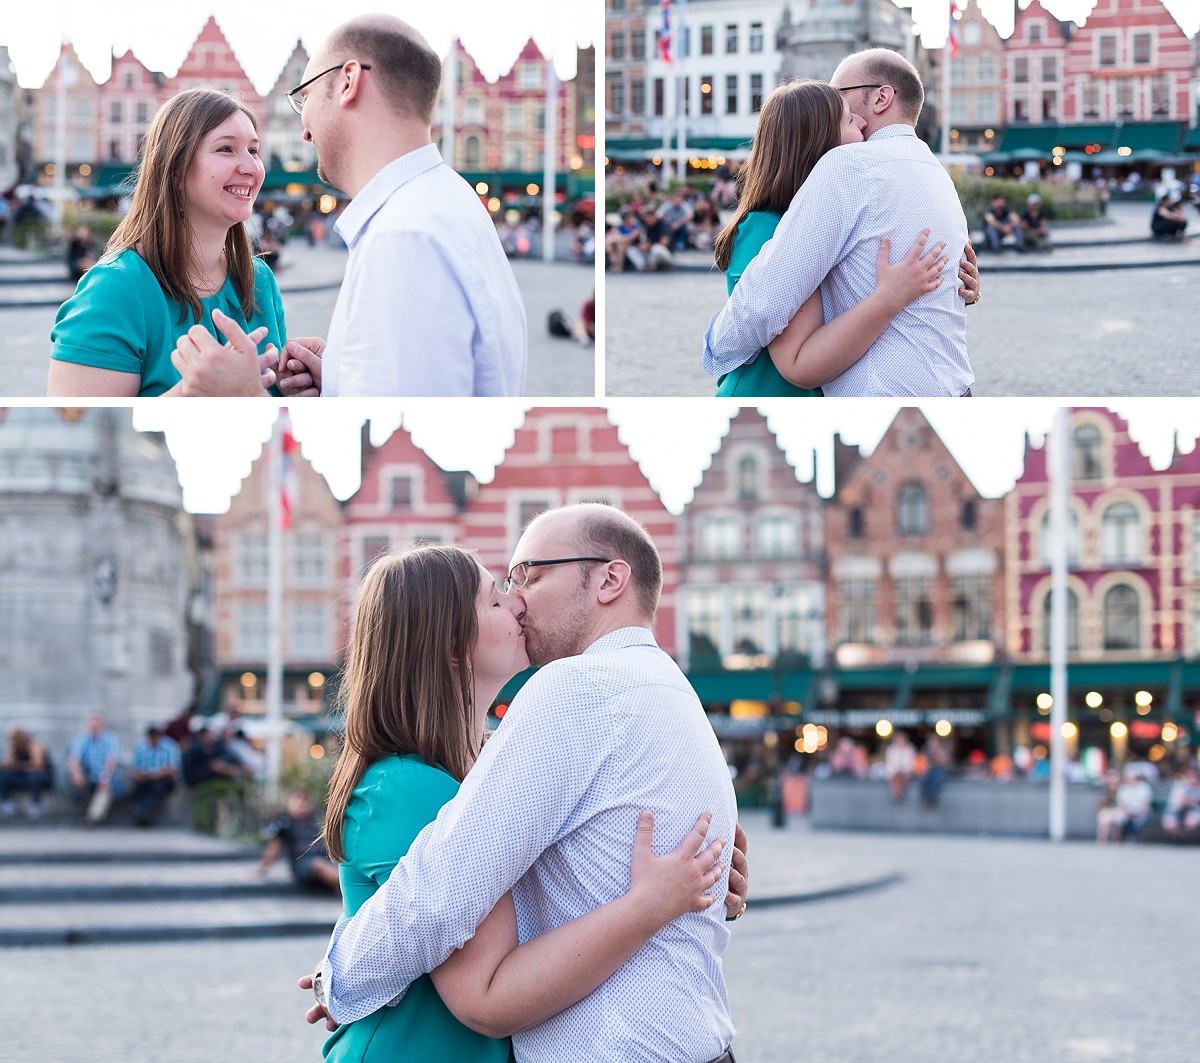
x: 736, y: 915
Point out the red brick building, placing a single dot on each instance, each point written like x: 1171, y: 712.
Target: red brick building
x: 127, y: 102
x: 752, y: 587
x: 1034, y: 66
x: 210, y: 63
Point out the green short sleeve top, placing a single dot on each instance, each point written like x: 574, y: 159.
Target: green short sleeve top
x: 397, y: 797
x: 119, y: 318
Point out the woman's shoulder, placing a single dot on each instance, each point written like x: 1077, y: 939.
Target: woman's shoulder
x: 758, y: 220
x: 124, y: 268
x: 405, y: 771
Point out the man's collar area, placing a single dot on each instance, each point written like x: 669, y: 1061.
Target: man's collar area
x: 376, y: 192
x: 896, y: 129
x: 622, y: 637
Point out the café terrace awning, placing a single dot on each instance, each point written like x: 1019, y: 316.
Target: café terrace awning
x: 642, y: 148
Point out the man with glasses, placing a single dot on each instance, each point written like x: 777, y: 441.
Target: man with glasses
x: 429, y: 304
x: 890, y: 185
x: 608, y: 726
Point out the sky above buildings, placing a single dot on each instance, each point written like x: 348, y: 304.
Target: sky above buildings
x: 671, y: 441
x: 263, y: 35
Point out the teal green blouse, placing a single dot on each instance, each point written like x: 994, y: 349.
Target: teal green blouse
x: 395, y: 799
x: 760, y: 377
x: 119, y: 318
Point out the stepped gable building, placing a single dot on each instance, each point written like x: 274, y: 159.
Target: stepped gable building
x: 282, y: 132
x: 565, y: 455
x: 82, y: 148
x: 312, y: 592
x: 1133, y: 587
x: 94, y: 575
x: 127, y: 102
x: 211, y: 63
x: 752, y: 590
x: 976, y: 76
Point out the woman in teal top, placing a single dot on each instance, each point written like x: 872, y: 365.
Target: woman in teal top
x: 800, y: 122
x: 180, y: 259
x: 434, y: 641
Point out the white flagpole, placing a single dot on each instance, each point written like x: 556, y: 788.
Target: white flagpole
x: 681, y: 98
x: 946, y: 84
x: 549, y: 162
x: 1060, y: 479
x: 275, y: 575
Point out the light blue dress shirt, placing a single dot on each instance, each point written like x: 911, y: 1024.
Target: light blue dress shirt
x: 550, y: 811
x: 96, y: 753
x: 154, y: 758
x: 429, y: 304
x: 890, y: 185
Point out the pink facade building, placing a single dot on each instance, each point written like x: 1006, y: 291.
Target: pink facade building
x: 128, y: 100
x: 82, y: 100
x: 1035, y: 66
x: 210, y: 63
x: 1134, y: 548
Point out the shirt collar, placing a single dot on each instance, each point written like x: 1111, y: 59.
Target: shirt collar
x: 896, y: 129
x: 623, y: 638
x: 380, y: 188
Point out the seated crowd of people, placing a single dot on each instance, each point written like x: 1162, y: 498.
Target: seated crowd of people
x: 653, y: 228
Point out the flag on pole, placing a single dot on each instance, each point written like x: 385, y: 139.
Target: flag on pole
x: 287, y: 469
x: 664, y: 33
x: 952, y: 39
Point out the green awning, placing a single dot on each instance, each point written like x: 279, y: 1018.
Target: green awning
x: 1041, y: 138
x: 1079, y: 136
x: 283, y: 178
x: 720, y: 688
x: 1193, y: 140
x: 1161, y: 137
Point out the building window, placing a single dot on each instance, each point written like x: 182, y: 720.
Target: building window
x: 685, y: 42
x: 400, y: 493
x: 530, y: 508
x: 250, y: 563
x: 1142, y: 46
x: 720, y: 538
x: 731, y: 38
x: 1035, y: 33
x: 731, y: 93
x: 795, y: 617
x: 1124, y: 88
x: 1108, y: 50
x: 706, y: 40
x: 251, y: 632
x: 514, y: 116
x: 637, y: 45
x: 1072, y: 621
x: 756, y: 36
x: 756, y: 92
x: 308, y: 632
x: 514, y: 154
x: 706, y: 94
x: 1021, y: 108
x: 616, y: 46
x: 1087, y: 464
x: 143, y: 112
x: 637, y: 96
x: 912, y: 510
x: 704, y: 626
x: 747, y: 478
x: 1021, y: 69
x: 1091, y: 99
x: 914, y: 611
x: 970, y: 515
x: 857, y: 523
x: 856, y: 610
x: 116, y: 112
x: 1073, y: 538
x: 372, y: 547
x: 1049, y: 68
x: 1049, y: 106
x: 987, y: 69
x: 618, y: 5
x: 776, y: 537
x: 309, y: 562
x: 529, y: 76
x: 473, y: 111
x: 472, y: 152
x: 1160, y: 94
x: 1121, y: 621
x: 748, y: 627
x: 1120, y: 535
x: 972, y: 608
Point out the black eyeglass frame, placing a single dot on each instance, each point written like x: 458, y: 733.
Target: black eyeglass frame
x: 296, y: 102
x: 509, y: 583
x: 849, y: 88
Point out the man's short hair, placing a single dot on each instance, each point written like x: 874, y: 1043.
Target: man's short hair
x: 891, y: 68
x: 409, y: 71
x: 609, y: 532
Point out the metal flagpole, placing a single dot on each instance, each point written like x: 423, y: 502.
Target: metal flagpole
x: 275, y: 576
x: 682, y: 97
x: 1060, y: 478
x: 947, y: 54
x: 549, y: 162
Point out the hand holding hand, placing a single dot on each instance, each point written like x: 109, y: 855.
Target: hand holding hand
x: 968, y: 273
x: 208, y: 367
x: 739, y: 875
x: 916, y: 274
x: 300, y: 368
x: 671, y: 885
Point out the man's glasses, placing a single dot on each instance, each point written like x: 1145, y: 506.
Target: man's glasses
x: 519, y: 575
x: 840, y: 88
x: 293, y: 95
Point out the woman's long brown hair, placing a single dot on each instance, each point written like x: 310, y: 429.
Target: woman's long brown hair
x: 799, y: 122
x: 406, y: 684
x: 156, y: 226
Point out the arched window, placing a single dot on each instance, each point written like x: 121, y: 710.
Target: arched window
x: 1087, y: 464
x: 1072, y: 538
x: 1122, y: 628
x: 1121, y: 535
x: 970, y: 515
x: 473, y: 111
x: 471, y: 152
x: 1072, y: 621
x: 912, y: 510
x: 857, y: 525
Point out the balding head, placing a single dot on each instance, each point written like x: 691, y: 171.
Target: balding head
x: 407, y: 69
x: 890, y: 70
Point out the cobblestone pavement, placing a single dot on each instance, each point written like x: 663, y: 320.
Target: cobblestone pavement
x: 557, y: 367
x: 987, y: 951
x: 1121, y: 332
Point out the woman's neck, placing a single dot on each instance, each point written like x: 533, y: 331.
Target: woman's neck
x: 208, y: 266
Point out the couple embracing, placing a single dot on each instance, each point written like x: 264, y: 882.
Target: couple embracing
x: 836, y: 184
x: 516, y: 890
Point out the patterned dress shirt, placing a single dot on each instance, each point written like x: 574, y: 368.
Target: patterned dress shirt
x: 550, y: 811
x: 429, y: 304
x: 890, y: 185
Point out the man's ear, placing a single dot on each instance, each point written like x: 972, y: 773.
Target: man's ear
x: 350, y: 88
x: 614, y: 582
